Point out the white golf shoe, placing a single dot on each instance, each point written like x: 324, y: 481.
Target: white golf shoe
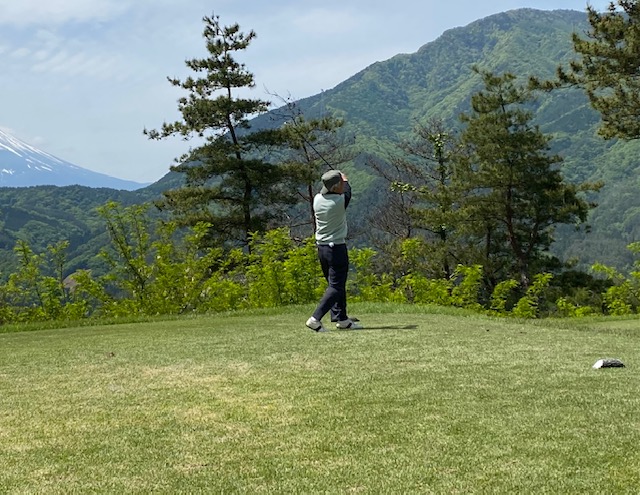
x: 349, y: 323
x: 315, y: 325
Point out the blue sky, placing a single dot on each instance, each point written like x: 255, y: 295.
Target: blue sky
x: 81, y: 79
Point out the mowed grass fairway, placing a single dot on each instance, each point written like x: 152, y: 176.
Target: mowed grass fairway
x: 421, y: 401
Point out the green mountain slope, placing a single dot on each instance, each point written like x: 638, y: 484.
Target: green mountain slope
x: 45, y: 215
x: 381, y: 103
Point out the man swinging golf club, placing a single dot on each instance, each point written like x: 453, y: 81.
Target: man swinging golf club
x: 329, y: 208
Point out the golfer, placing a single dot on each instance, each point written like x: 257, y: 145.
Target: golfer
x: 329, y: 208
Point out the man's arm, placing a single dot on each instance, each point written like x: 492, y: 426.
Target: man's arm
x: 347, y: 190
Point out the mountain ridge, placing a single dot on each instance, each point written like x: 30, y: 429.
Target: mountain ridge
x: 24, y: 165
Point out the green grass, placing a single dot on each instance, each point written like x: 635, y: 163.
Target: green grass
x: 421, y: 401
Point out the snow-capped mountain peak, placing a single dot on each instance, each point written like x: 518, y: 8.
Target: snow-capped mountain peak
x: 23, y: 165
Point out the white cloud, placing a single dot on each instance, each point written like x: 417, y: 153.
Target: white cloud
x: 41, y: 55
x: 30, y: 12
x: 20, y: 53
x: 79, y: 55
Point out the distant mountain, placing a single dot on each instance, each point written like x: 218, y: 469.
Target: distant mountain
x: 22, y: 165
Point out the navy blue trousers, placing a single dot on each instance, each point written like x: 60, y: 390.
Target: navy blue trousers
x: 334, y: 262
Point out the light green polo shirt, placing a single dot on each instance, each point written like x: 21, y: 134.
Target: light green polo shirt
x: 331, y: 218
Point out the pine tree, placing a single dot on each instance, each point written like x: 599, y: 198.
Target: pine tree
x: 516, y: 193
x: 609, y: 67
x: 230, y: 181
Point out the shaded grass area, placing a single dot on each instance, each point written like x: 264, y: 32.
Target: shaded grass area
x: 422, y: 400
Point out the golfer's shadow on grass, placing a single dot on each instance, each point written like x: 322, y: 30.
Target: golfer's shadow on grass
x: 382, y: 327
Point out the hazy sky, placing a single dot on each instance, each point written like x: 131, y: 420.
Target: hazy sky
x: 81, y: 79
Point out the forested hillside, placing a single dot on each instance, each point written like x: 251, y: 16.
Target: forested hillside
x: 380, y: 105
x: 45, y: 215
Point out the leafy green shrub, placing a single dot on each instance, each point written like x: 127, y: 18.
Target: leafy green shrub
x: 222, y: 294
x: 622, y: 297
x: 527, y: 306
x: 266, y: 264
x: 500, y: 295
x: 156, y: 271
x: 569, y: 309
x: 366, y: 284
x: 33, y: 294
x: 413, y: 253
x: 466, y: 288
x: 303, y: 279
x: 423, y: 290
x: 280, y: 273
x: 180, y: 270
x: 93, y: 292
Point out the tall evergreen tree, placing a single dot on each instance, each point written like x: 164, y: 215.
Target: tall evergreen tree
x: 609, y: 67
x: 230, y: 182
x: 516, y: 193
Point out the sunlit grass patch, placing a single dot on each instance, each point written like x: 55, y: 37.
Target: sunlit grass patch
x: 418, y: 401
